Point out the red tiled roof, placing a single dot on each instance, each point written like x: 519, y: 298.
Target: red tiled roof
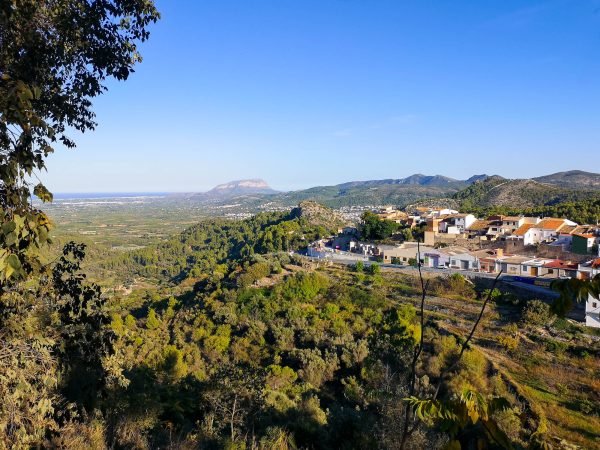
x: 558, y: 264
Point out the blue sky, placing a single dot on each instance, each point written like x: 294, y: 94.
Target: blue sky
x: 317, y: 92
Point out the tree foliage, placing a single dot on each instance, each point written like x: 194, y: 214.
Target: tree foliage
x: 56, y: 346
x: 55, y: 57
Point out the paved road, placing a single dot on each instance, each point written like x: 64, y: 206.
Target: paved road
x: 352, y: 258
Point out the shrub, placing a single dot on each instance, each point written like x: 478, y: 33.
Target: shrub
x: 305, y: 286
x: 556, y: 347
x: 536, y: 312
x: 374, y: 269
x: 152, y: 322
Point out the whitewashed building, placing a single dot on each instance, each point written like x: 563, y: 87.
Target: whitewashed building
x: 592, y: 312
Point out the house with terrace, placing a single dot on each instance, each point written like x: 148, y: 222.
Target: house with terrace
x: 436, y: 259
x: 480, y: 228
x: 460, y: 258
x: 489, y: 260
x: 402, y: 253
x: 456, y: 223
x: 535, y: 267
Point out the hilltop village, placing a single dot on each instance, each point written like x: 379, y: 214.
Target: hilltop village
x: 530, y: 250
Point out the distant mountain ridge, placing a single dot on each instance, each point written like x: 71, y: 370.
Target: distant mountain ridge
x: 477, y: 190
x: 573, y: 179
x: 496, y: 191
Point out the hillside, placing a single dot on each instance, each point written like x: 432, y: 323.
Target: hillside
x: 256, y: 195
x: 399, y: 192
x: 497, y: 191
x: 203, y: 247
x: 572, y: 179
x: 307, y: 357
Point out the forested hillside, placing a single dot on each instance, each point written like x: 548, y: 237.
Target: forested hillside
x: 201, y: 248
x: 274, y: 353
x: 497, y: 195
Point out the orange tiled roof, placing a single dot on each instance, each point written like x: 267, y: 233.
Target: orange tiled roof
x: 523, y: 229
x: 551, y: 224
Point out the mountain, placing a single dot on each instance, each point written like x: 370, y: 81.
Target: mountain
x: 400, y: 191
x: 497, y: 191
x: 478, y: 191
x: 241, y: 187
x: 572, y: 179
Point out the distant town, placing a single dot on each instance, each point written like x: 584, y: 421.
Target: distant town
x: 531, y: 250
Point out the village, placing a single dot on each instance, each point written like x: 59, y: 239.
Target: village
x: 531, y: 250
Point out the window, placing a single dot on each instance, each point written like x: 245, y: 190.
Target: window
x: 594, y: 305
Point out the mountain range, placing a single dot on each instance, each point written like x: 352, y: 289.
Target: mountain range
x: 479, y: 190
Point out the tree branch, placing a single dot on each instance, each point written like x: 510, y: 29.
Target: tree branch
x: 466, y: 343
x: 417, y: 352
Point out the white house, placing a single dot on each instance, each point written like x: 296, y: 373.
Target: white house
x: 592, y: 312
x: 458, y: 223
x: 460, y: 258
x: 543, y: 231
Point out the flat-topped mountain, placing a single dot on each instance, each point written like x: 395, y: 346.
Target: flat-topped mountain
x: 241, y: 187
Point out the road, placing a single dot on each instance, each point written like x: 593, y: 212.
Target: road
x: 349, y: 259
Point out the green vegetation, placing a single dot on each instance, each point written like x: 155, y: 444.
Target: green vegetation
x: 204, y: 251
x: 373, y: 228
x: 225, y: 340
x: 496, y: 195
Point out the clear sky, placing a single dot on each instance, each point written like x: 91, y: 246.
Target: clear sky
x: 317, y: 92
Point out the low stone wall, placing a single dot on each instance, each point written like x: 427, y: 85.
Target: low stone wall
x: 556, y: 252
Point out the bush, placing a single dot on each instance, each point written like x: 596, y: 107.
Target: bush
x: 305, y: 286
x: 537, y: 313
x: 152, y: 321
x: 556, y: 347
x: 374, y: 269
x: 359, y: 266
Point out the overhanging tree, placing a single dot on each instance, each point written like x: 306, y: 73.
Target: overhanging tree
x: 55, y: 57
x: 55, y: 348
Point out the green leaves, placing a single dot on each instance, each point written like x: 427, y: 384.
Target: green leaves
x: 21, y: 238
x: 12, y: 266
x: 571, y: 290
x: 456, y: 415
x: 430, y: 411
x: 42, y: 193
